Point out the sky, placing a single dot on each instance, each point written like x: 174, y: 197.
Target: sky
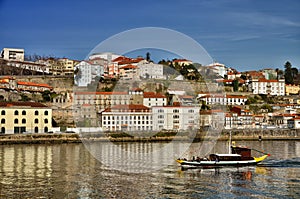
x: 243, y: 34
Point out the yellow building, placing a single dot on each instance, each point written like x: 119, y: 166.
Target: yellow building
x: 20, y: 117
x: 61, y: 67
x: 291, y: 89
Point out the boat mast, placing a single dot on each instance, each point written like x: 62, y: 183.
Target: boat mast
x: 229, y: 145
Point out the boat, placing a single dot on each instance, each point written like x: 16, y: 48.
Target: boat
x: 239, y: 156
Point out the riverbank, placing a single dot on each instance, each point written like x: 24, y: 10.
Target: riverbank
x: 236, y: 135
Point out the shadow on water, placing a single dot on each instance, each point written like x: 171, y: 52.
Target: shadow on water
x: 286, y: 163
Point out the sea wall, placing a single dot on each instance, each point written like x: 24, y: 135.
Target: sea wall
x: 265, y: 134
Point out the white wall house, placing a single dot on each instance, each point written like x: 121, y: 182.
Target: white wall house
x: 12, y: 54
x: 133, y: 117
x: 151, y: 70
x: 272, y: 87
x: 222, y: 99
x: 154, y: 99
x: 87, y: 73
x: 175, y: 117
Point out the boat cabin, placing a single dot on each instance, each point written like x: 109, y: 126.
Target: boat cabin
x: 243, y: 151
x: 225, y: 157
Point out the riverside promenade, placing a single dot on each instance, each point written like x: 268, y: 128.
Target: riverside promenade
x: 259, y: 134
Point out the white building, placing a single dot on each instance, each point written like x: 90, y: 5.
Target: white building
x: 218, y: 68
x: 154, y: 99
x: 131, y: 117
x: 151, y: 70
x: 87, y: 72
x: 272, y: 87
x: 12, y: 54
x: 175, y: 117
x: 105, y: 55
x: 223, y: 99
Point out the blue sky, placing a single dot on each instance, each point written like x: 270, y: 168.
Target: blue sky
x: 244, y: 34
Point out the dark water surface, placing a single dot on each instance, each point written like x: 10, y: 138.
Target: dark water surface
x: 69, y: 171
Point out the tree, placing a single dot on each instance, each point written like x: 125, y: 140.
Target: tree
x: 288, y: 73
x: 235, y: 84
x: 148, y: 56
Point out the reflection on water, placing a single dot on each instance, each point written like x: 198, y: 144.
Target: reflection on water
x: 69, y: 171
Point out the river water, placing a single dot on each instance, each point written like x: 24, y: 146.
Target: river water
x: 70, y: 171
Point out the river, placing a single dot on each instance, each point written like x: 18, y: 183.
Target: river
x: 70, y: 171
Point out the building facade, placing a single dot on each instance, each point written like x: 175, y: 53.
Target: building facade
x: 268, y: 87
x: 222, y: 99
x: 175, y: 117
x: 12, y: 54
x: 87, y: 72
x: 151, y: 71
x: 20, y: 117
x: 133, y: 117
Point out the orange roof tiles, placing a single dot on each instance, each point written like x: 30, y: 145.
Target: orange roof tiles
x: 128, y: 108
x: 153, y: 95
x: 33, y: 84
x: 129, y: 67
x: 31, y: 104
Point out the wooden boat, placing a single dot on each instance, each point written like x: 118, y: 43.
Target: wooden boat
x: 239, y: 156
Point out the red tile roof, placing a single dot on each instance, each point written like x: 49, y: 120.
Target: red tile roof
x: 33, y: 84
x: 129, y: 67
x: 153, y: 95
x: 31, y: 104
x: 99, y: 93
x: 128, y: 108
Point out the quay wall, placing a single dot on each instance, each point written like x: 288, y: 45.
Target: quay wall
x: 266, y: 134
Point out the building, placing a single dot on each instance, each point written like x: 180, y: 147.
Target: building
x: 12, y: 54
x: 154, y: 99
x: 212, y: 119
x: 87, y: 73
x: 218, y: 68
x: 151, y: 70
x: 102, y: 100
x: 33, y: 87
x: 294, y: 123
x: 133, y: 117
x: 20, y: 117
x: 223, y: 99
x: 182, y: 62
x: 175, y: 117
x: 129, y: 72
x: 268, y: 87
x: 238, y: 118
x: 292, y: 89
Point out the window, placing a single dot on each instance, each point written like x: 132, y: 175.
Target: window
x: 160, y: 110
x: 16, y: 121
x: 2, y: 112
x: 23, y: 121
x: 175, y: 111
x: 46, y: 129
x: 23, y: 112
x: 46, y: 113
x: 16, y: 112
x: 36, y: 113
x: 46, y: 121
x: 2, y: 121
x: 191, y: 111
x: 36, y: 129
x: 2, y: 130
x: 36, y: 121
x: 175, y: 116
